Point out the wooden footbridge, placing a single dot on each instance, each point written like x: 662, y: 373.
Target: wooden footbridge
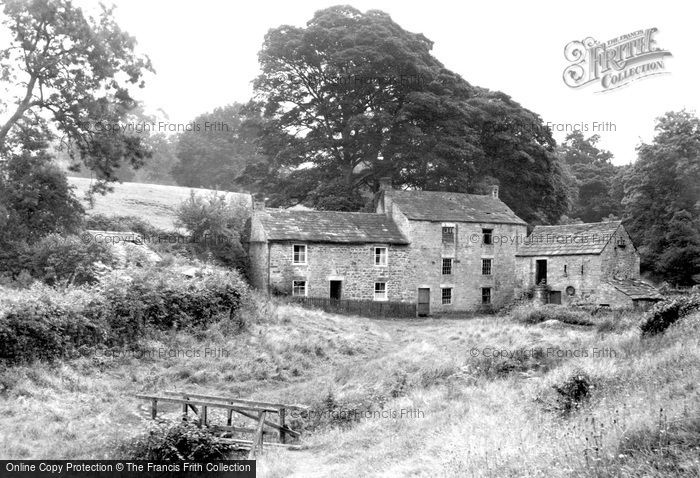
x: 262, y: 413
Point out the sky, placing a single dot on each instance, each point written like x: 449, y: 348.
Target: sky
x: 205, y: 54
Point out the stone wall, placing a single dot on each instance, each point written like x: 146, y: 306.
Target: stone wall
x: 353, y: 264
x: 426, y: 251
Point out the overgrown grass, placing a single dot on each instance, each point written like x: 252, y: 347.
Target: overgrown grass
x: 467, y: 410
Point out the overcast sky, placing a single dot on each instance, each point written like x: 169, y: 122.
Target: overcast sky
x: 205, y: 53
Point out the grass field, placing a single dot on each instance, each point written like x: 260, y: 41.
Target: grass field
x: 153, y: 203
x: 480, y: 403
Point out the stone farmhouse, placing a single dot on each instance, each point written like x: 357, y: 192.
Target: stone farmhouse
x: 436, y: 249
x: 583, y: 264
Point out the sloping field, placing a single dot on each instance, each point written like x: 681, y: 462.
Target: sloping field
x: 153, y: 203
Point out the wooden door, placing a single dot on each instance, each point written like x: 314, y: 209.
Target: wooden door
x: 424, y: 302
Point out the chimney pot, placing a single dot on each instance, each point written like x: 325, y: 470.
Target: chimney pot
x: 494, y: 191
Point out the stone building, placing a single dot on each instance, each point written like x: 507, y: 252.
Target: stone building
x: 462, y: 247
x: 346, y: 255
x: 443, y: 251
x: 583, y: 264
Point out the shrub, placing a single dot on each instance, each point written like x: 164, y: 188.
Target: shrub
x: 574, y: 391
x: 47, y: 327
x: 216, y: 225
x: 665, y: 313
x: 536, y: 315
x: 49, y: 324
x: 56, y: 259
x: 35, y: 197
x: 165, y: 299
x: 182, y: 442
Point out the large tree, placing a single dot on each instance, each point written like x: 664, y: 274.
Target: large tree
x: 353, y: 97
x: 75, y: 73
x: 662, y: 199
x: 216, y: 149
x: 597, y: 194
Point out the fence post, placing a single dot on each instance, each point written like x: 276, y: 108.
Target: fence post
x: 282, y: 414
x: 154, y: 408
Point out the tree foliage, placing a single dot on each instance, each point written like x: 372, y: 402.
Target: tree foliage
x: 597, y: 192
x: 35, y: 197
x: 662, y: 199
x: 217, y: 148
x: 75, y: 74
x: 353, y: 97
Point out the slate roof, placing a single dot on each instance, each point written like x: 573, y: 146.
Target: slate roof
x: 569, y: 239
x: 457, y: 207
x: 635, y: 289
x: 329, y: 226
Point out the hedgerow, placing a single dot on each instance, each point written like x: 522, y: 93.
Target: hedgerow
x: 45, y: 324
x: 663, y: 314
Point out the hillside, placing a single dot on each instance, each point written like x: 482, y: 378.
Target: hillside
x: 153, y: 203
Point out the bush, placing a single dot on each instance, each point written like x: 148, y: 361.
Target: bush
x: 574, y: 391
x: 535, y: 315
x: 48, y: 324
x: 182, y: 442
x: 44, y: 326
x: 164, y: 299
x: 663, y: 314
x: 216, y: 225
x: 35, y: 197
x: 56, y: 259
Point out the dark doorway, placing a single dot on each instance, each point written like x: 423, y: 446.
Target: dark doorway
x: 423, y: 302
x: 555, y: 297
x: 540, y: 271
x: 336, y: 289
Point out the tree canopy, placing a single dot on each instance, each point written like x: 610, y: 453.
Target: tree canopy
x: 662, y: 199
x: 354, y: 97
x: 598, y: 191
x: 74, y: 73
x: 216, y: 150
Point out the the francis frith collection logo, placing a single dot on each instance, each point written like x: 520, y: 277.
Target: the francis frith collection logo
x: 615, y: 63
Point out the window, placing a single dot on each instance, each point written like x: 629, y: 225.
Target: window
x: 448, y: 234
x: 380, y: 291
x: 380, y: 256
x: 486, y: 295
x: 299, y: 254
x: 487, y: 236
x: 446, y: 296
x: 486, y: 266
x: 299, y: 288
x: 565, y: 274
x: 446, y: 266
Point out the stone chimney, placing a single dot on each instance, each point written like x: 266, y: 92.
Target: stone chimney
x: 259, y: 205
x: 385, y: 205
x: 494, y: 191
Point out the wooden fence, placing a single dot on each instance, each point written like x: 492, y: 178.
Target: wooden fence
x: 364, y: 308
x: 252, y: 409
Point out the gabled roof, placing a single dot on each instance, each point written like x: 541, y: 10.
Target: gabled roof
x: 569, y: 239
x: 457, y: 207
x: 635, y: 289
x: 329, y: 226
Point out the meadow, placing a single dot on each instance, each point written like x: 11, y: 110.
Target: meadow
x: 153, y: 203
x: 484, y: 396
